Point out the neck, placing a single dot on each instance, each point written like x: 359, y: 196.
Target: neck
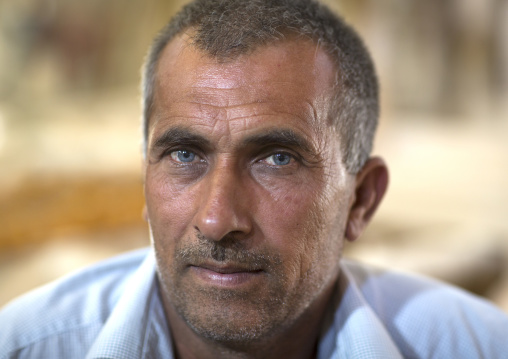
x: 299, y: 340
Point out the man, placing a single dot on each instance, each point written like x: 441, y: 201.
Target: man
x: 259, y: 118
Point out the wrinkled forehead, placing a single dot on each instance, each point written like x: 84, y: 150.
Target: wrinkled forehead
x: 289, y: 70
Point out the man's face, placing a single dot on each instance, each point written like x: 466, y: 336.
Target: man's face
x: 246, y: 193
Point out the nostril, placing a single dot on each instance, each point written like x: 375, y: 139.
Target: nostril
x: 220, y: 210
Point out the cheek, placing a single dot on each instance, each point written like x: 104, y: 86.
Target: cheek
x: 169, y: 207
x: 306, y: 225
x: 292, y: 222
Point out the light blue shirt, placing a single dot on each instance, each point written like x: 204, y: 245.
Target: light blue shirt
x: 113, y: 310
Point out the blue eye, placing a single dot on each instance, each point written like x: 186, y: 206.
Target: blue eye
x: 279, y: 159
x: 183, y: 156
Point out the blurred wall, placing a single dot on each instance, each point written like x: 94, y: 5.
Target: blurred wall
x: 69, y: 112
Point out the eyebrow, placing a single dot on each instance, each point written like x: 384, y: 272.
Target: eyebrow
x: 282, y: 137
x: 179, y: 136
x: 278, y: 137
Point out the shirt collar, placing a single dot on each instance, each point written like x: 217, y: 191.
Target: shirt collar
x: 136, y: 328
x: 354, y: 330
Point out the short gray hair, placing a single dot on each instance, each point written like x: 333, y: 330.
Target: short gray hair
x: 228, y: 28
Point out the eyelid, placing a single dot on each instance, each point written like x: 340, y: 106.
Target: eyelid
x: 271, y: 152
x: 175, y: 154
x: 169, y: 151
x: 276, y: 149
x: 271, y: 159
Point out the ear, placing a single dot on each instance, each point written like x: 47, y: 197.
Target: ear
x: 371, y: 185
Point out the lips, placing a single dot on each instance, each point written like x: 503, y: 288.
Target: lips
x: 229, y: 275
x: 227, y: 268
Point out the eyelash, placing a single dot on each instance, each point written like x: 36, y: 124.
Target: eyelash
x: 172, y: 153
x: 174, y: 156
x: 283, y: 153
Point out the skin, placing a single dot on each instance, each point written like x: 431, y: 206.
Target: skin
x: 248, y: 200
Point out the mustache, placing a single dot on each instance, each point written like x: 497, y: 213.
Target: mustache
x: 227, y: 250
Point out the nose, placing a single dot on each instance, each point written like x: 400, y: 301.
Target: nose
x: 224, y: 206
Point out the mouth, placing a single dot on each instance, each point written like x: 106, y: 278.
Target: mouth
x: 226, y: 276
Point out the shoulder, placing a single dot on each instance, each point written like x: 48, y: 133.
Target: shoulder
x: 426, y: 316
x: 77, y: 303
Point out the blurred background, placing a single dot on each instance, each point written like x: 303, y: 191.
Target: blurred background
x: 70, y: 139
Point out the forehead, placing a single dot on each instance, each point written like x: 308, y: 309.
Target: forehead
x: 292, y: 77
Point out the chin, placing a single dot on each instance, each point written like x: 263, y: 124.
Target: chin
x: 234, y: 320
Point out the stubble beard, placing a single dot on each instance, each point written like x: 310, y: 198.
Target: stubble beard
x: 234, y: 318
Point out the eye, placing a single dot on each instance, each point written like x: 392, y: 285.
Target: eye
x: 279, y: 159
x: 183, y: 156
